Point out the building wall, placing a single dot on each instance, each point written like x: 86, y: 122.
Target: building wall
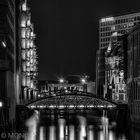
x: 100, y: 72
x: 133, y: 74
x: 28, y: 54
x: 7, y: 60
x: 115, y: 68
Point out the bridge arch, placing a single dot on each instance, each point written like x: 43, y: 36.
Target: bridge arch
x: 70, y: 100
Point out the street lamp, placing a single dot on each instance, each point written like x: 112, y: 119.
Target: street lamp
x: 61, y: 80
x: 83, y: 80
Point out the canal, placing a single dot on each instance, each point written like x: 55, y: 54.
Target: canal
x: 95, y: 125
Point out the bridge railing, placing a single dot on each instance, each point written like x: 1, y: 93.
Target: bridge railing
x: 62, y: 92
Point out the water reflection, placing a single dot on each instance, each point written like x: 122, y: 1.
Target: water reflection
x: 52, y: 132
x: 76, y: 127
x: 32, y: 123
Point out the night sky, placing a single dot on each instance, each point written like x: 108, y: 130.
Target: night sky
x: 67, y: 33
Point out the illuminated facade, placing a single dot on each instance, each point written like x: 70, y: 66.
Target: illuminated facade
x: 115, y: 69
x: 133, y: 74
x: 109, y: 29
x: 28, y: 54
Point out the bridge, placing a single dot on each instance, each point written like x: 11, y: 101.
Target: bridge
x: 69, y: 100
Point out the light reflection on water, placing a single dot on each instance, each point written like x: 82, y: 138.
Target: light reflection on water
x: 32, y: 123
x: 83, y: 129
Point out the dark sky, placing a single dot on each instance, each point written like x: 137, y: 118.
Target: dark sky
x: 67, y: 33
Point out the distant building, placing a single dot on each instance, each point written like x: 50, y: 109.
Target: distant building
x: 109, y: 29
x: 133, y: 74
x: 100, y: 72
x: 47, y: 86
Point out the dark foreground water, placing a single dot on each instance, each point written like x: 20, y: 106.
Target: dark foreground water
x: 77, y: 126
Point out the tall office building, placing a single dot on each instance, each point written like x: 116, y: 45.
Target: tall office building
x: 109, y: 29
x: 115, y: 25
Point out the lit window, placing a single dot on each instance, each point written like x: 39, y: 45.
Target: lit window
x: 23, y: 21
x: 28, y: 33
x: 23, y: 80
x: 23, y: 54
x: 23, y: 32
x: 24, y: 6
x: 113, y: 28
x: 28, y: 22
x: 23, y: 43
x: 28, y: 43
x: 107, y: 19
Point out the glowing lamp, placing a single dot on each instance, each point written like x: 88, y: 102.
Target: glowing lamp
x: 61, y: 80
x: 83, y: 80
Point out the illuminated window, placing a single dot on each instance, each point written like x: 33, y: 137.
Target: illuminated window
x: 23, y: 80
x: 28, y: 32
x: 107, y: 19
x: 24, y: 6
x: 28, y: 81
x: 28, y: 53
x: 23, y: 32
x: 28, y: 64
x: 23, y: 21
x: 28, y: 22
x: 23, y: 54
x: 113, y: 28
x: 31, y: 44
x: 28, y: 43
x: 23, y: 43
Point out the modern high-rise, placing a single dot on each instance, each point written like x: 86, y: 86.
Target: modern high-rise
x: 109, y: 29
x: 115, y: 25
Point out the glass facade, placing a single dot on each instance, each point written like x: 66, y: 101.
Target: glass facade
x: 119, y: 24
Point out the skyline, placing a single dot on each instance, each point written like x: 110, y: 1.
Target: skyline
x: 67, y: 34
